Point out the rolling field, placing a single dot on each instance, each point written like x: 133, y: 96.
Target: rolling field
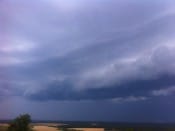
x: 44, y: 128
x: 3, y: 127
x: 89, y: 129
x: 58, y: 127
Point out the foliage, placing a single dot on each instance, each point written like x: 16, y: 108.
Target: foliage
x: 20, y: 123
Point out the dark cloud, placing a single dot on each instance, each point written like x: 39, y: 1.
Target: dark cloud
x: 100, y: 70
x: 90, y: 50
x: 137, y: 88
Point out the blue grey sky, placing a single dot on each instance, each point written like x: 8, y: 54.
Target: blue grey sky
x: 105, y: 60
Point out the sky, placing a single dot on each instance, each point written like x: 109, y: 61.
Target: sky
x: 88, y: 60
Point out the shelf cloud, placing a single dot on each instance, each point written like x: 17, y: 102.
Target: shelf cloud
x: 93, y: 50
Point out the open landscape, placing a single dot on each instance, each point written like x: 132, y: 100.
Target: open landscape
x: 58, y: 127
x: 3, y: 127
x: 46, y: 128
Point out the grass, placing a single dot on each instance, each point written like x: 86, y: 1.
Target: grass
x: 3, y: 128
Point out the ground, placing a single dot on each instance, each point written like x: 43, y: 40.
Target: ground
x: 90, y: 129
x: 44, y: 128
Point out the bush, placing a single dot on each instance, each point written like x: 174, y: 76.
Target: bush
x: 20, y: 123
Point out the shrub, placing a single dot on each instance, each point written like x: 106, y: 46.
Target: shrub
x: 20, y: 123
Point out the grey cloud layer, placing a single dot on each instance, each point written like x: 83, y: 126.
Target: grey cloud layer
x: 88, y: 50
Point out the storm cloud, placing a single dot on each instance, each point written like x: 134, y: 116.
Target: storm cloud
x: 87, y: 50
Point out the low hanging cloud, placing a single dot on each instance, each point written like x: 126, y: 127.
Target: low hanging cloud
x: 89, y: 50
x: 164, y: 92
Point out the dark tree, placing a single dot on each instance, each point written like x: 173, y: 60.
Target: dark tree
x: 20, y: 123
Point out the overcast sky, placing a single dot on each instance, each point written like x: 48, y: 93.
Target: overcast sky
x: 107, y: 60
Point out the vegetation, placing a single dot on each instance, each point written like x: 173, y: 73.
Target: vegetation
x: 3, y: 128
x: 20, y: 123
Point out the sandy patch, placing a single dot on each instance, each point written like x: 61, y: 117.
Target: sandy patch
x: 44, y: 128
x: 89, y: 129
x: 4, y: 124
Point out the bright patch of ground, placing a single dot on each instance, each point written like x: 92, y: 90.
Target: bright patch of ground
x: 89, y: 129
x: 44, y: 128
